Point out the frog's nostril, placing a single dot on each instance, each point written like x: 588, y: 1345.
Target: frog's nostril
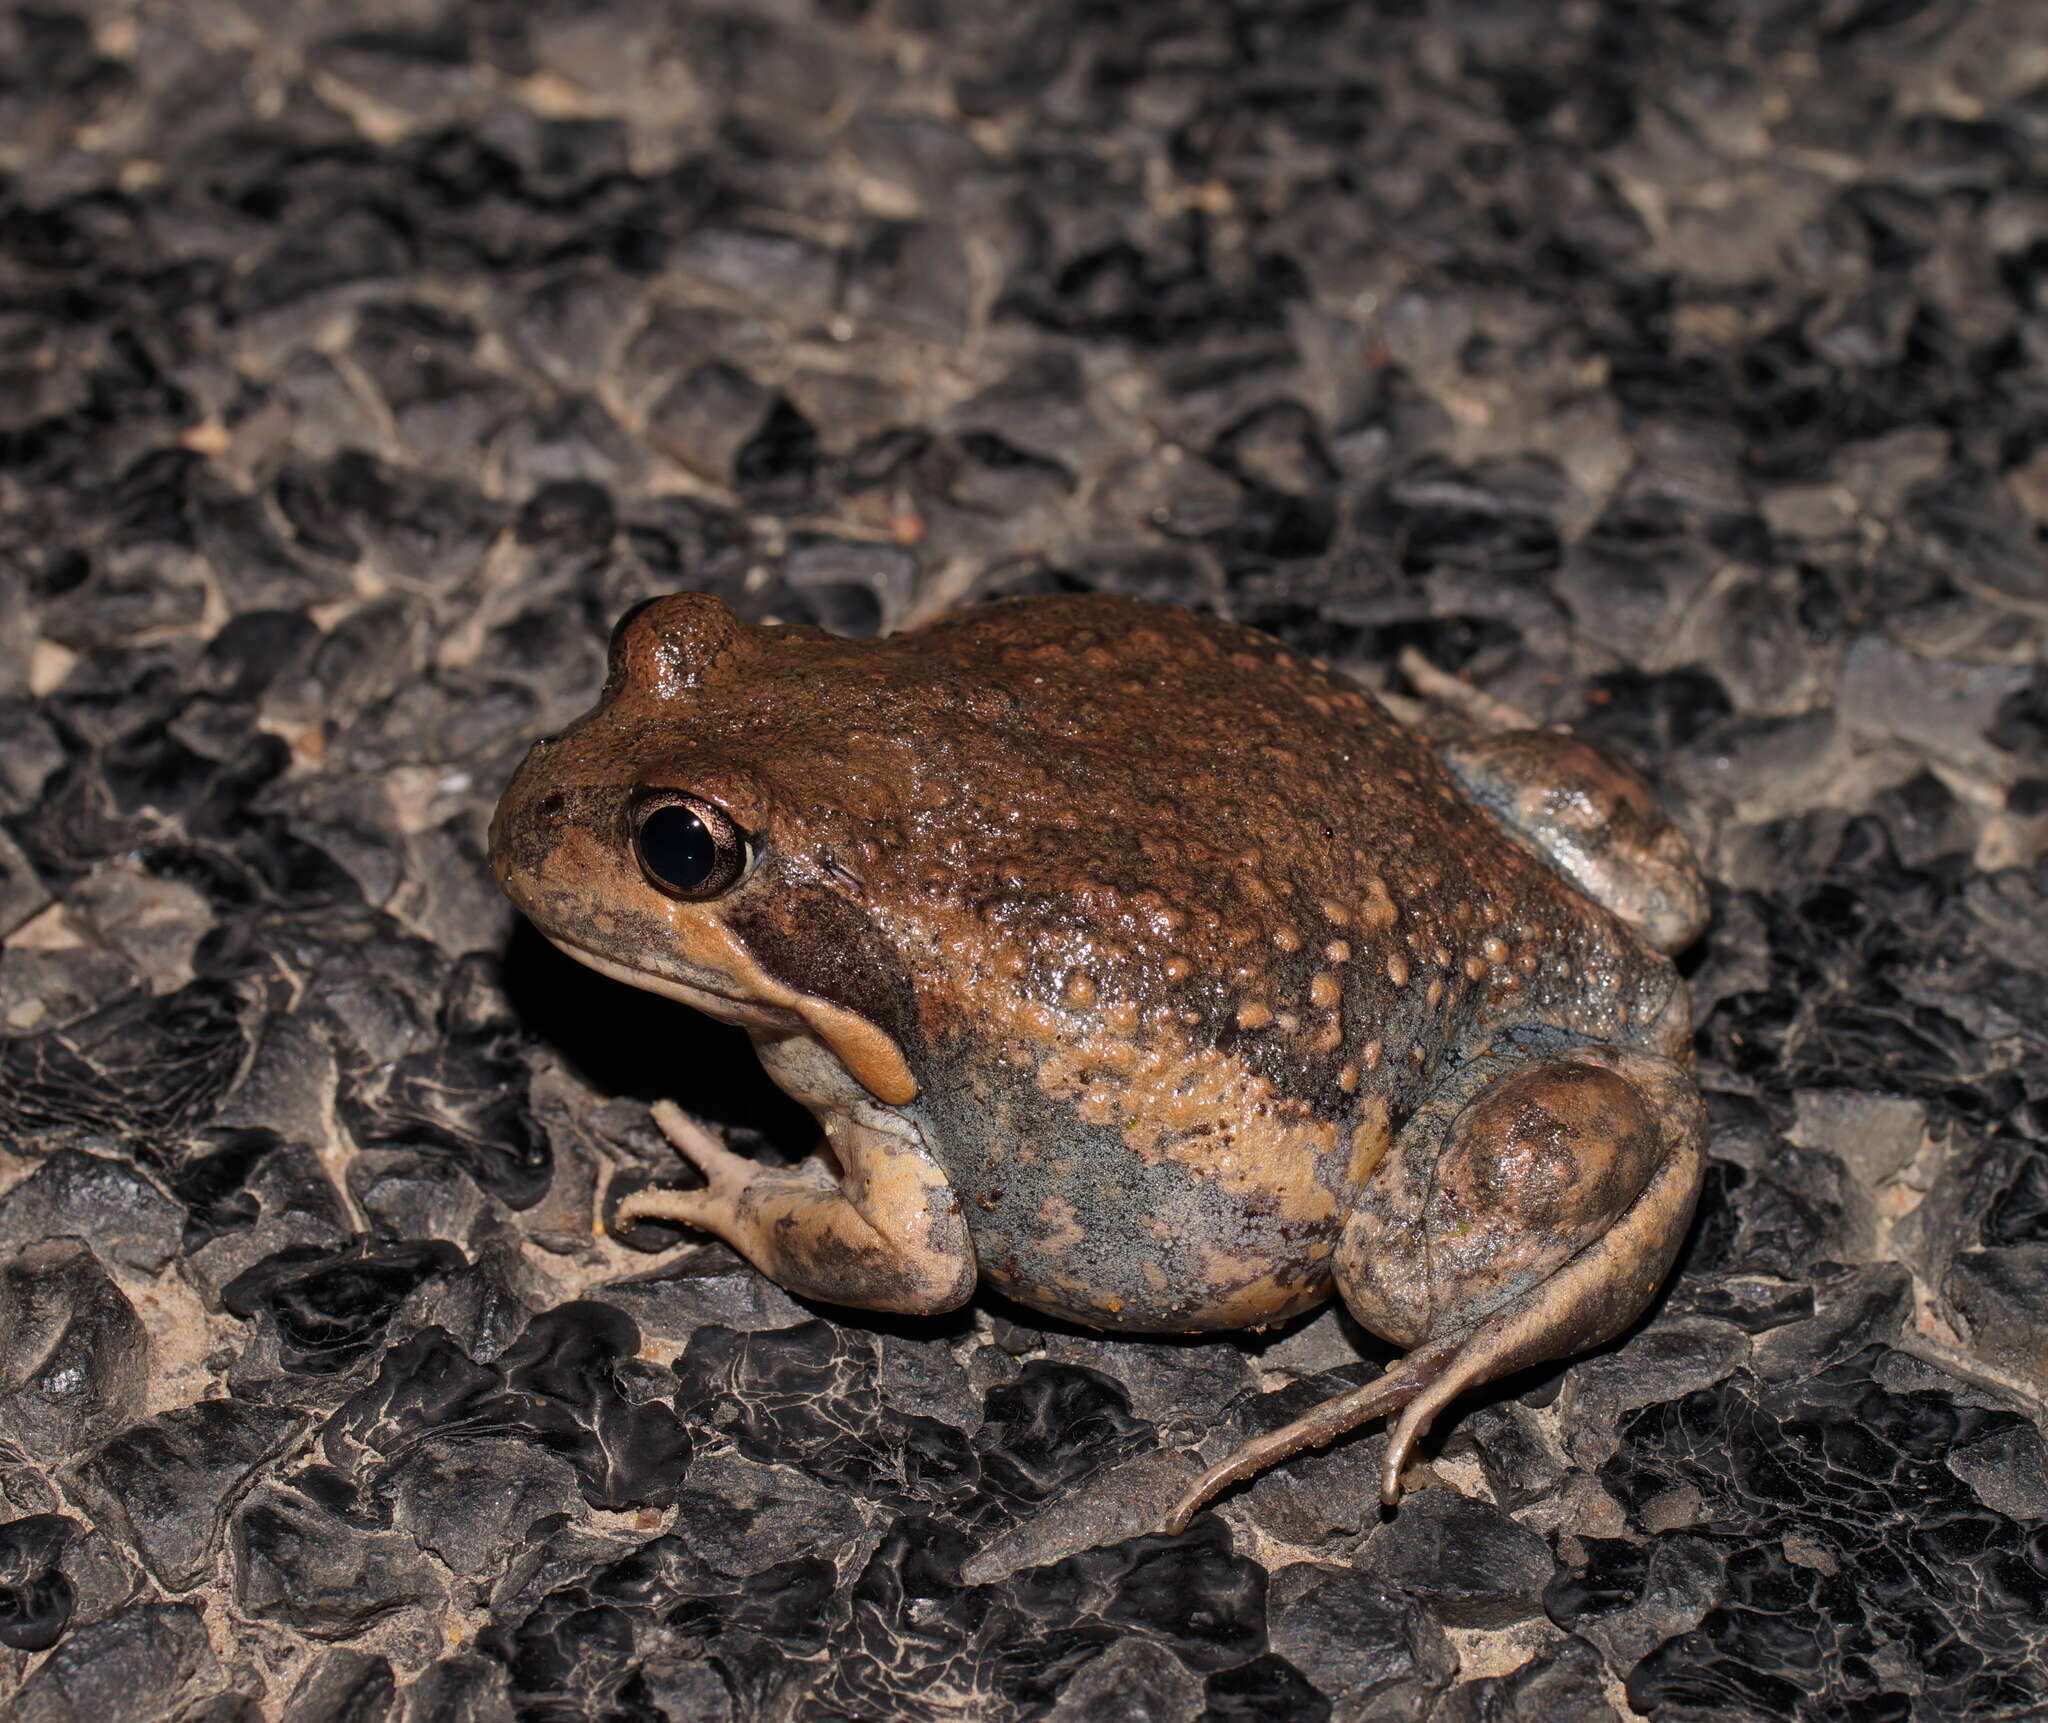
x: 550, y: 806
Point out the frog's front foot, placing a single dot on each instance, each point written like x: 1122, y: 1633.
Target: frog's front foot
x: 885, y: 1234
x: 726, y: 1176
x: 1528, y: 1211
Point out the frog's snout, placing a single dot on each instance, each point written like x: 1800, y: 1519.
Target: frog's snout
x: 528, y: 829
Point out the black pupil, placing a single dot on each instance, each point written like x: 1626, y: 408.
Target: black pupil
x: 677, y: 847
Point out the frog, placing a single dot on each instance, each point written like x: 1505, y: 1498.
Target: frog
x: 1148, y: 972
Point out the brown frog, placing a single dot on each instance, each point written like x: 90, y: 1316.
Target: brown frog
x: 1147, y: 970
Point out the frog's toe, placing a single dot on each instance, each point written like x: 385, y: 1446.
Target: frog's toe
x: 686, y: 1208
x: 1386, y: 1394
x: 1480, y: 710
x: 724, y: 1172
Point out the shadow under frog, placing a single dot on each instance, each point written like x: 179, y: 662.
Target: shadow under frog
x: 1147, y: 970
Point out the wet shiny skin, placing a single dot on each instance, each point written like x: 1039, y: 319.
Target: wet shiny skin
x: 1149, y: 971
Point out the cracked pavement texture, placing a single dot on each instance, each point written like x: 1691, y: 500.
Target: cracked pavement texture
x: 1676, y: 373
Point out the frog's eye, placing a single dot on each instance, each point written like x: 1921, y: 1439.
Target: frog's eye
x: 688, y: 847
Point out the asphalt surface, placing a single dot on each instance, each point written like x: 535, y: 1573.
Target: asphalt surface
x: 1678, y: 373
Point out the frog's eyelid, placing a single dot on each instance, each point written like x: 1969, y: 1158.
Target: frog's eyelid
x: 625, y: 622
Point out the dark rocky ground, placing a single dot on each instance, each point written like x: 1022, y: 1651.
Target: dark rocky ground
x: 1679, y: 372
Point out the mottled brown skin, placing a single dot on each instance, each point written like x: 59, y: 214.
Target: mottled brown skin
x: 1144, y: 968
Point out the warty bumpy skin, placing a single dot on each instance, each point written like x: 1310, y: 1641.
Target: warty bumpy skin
x: 1147, y: 970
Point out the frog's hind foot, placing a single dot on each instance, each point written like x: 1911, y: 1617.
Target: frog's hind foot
x: 1527, y: 1213
x: 1315, y: 1428
x: 1592, y: 817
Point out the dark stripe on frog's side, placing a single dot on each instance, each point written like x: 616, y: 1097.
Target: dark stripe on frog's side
x: 810, y: 938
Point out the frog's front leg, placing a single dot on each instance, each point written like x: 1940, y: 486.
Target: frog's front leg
x: 885, y: 1232
x: 1527, y: 1211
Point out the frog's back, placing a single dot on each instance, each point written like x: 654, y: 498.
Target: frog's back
x: 1205, y: 924
x: 1158, y: 817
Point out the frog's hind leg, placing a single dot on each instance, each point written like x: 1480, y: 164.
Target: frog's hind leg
x: 1589, y: 815
x: 1527, y: 1211
x: 1592, y: 818
x: 885, y: 1234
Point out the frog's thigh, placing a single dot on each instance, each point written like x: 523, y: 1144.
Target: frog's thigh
x: 1597, y: 822
x: 1507, y: 1179
x: 886, y: 1234
x: 1528, y: 1212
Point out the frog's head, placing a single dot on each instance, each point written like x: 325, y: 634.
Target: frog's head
x: 690, y: 835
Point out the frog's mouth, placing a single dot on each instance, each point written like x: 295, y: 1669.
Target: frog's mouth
x: 762, y: 1004
x: 699, y: 995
